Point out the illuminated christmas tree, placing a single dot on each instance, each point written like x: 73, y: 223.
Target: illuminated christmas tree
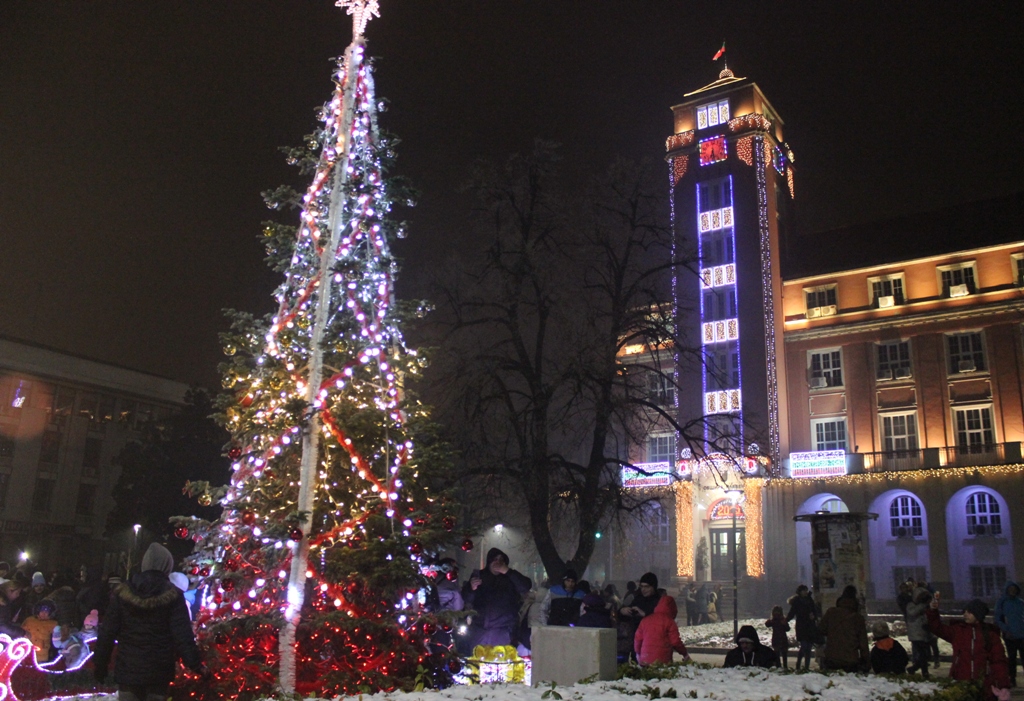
x: 312, y: 579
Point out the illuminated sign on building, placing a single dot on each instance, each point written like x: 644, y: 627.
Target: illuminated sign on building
x: 647, y: 474
x: 822, y: 463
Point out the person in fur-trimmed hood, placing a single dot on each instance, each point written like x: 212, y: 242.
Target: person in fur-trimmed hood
x: 149, y: 619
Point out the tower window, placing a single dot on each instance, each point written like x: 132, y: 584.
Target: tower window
x: 713, y: 114
x: 660, y: 389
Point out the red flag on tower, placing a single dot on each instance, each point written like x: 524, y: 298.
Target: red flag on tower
x: 720, y: 53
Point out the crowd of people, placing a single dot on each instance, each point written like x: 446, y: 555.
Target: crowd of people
x: 507, y: 608
x: 70, y: 618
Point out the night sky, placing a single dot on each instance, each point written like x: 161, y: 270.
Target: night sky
x: 137, y: 135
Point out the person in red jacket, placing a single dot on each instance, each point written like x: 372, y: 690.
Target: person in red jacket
x: 978, y: 653
x: 658, y: 634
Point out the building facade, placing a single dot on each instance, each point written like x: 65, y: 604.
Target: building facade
x: 63, y: 421
x: 833, y: 378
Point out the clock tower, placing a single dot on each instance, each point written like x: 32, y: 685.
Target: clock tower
x: 732, y: 191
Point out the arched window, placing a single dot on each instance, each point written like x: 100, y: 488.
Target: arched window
x: 905, y: 517
x: 834, y: 506
x: 983, y: 515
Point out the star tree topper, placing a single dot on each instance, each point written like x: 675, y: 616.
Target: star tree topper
x: 362, y: 11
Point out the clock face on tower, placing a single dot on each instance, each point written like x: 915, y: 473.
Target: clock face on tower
x: 712, y: 150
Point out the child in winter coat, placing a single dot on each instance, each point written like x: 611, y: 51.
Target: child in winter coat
x: 780, y: 641
x: 40, y: 628
x: 658, y: 635
x: 978, y: 652
x: 887, y: 656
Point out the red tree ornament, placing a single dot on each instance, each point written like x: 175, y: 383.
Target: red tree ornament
x: 235, y: 452
x: 416, y: 547
x: 448, y: 522
x: 181, y: 532
x: 295, y: 534
x: 467, y: 544
x: 228, y: 585
x: 248, y: 518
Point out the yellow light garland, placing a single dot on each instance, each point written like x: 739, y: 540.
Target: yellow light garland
x: 752, y: 490
x: 941, y: 472
x: 684, y: 529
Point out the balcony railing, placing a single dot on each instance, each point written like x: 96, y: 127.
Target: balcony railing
x: 947, y: 456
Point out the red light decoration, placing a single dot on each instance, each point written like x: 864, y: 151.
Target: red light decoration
x: 467, y: 544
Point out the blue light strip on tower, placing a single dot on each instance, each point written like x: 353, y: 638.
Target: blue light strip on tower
x: 732, y: 345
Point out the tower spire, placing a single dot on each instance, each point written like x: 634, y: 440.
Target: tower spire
x: 362, y: 11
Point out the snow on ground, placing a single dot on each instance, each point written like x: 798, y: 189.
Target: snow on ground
x: 693, y: 681
x: 720, y: 634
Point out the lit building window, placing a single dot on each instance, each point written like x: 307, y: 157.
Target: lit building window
x: 829, y: 434
x: 957, y: 280
x: 894, y: 360
x: 713, y: 114
x: 821, y: 301
x: 887, y: 291
x: 661, y: 448
x: 983, y: 515
x: 659, y: 522
x: 899, y: 433
x: 974, y: 433
x: 825, y: 368
x: 1017, y: 264
x: 966, y: 352
x: 834, y: 506
x: 905, y: 517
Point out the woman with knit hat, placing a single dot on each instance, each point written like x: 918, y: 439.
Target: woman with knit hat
x: 978, y: 653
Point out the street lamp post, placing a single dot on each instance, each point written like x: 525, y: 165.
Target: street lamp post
x: 734, y: 496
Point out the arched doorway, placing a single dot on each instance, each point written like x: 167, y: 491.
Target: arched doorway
x: 819, y: 502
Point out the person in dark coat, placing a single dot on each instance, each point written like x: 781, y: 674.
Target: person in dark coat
x: 887, y: 655
x: 749, y: 652
x: 94, y: 593
x: 846, y: 636
x: 640, y: 604
x: 978, y: 653
x: 1010, y: 619
x: 149, y: 620
x: 690, y: 594
x: 804, y: 610
x: 917, y: 630
x: 562, y: 604
x: 596, y: 613
x: 67, y: 613
x: 703, y: 600
x: 780, y: 639
x: 496, y: 594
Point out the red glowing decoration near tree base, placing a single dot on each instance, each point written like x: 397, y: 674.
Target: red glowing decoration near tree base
x: 12, y: 652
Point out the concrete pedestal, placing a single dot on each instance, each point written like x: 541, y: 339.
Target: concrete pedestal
x: 565, y: 655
